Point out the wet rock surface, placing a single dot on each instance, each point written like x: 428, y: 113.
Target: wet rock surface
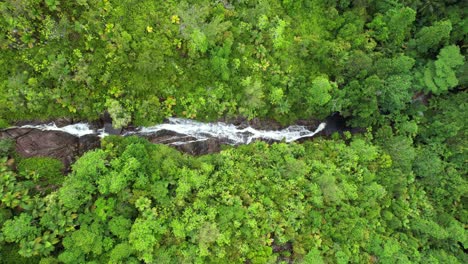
x: 87, y: 143
x: 256, y: 123
x: 335, y: 123
x: 184, y: 143
x: 200, y: 147
x: 167, y: 137
x: 67, y: 147
x: 55, y: 144
x: 60, y: 122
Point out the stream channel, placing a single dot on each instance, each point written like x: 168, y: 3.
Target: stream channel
x: 68, y: 141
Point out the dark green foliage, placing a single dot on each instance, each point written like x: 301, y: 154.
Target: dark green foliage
x: 431, y: 37
x: 9, y: 255
x: 42, y: 169
x: 6, y: 147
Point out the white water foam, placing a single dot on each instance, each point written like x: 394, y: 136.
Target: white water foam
x: 203, y: 131
x: 78, y: 129
x: 198, y: 130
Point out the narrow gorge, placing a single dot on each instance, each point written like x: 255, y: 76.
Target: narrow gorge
x: 67, y: 140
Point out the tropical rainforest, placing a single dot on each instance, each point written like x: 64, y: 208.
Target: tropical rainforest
x: 394, y: 193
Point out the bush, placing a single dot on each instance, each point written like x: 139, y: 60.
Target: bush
x: 5, y: 214
x: 9, y: 255
x: 3, y: 123
x: 6, y: 145
x: 43, y: 169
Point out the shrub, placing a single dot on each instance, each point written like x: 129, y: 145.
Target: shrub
x: 3, y: 123
x: 43, y: 169
x: 6, y: 145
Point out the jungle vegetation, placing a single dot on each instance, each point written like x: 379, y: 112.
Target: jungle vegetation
x: 394, y: 194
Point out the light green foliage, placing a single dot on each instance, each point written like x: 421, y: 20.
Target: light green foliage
x: 399, y: 23
x: 440, y: 75
x: 254, y: 96
x: 78, y: 188
x: 3, y: 124
x: 121, y: 252
x: 13, y: 193
x: 86, y: 241
x: 242, y: 203
x: 319, y: 93
x: 400, y: 149
x: 120, y: 226
x: 313, y: 257
x: 198, y: 43
x: 120, y: 117
x: 442, y: 168
x: 396, y: 93
x: 278, y: 34
x: 83, y: 241
x: 393, y: 194
x: 364, y: 94
x: 18, y: 229
x: 378, y: 28
x: 427, y: 163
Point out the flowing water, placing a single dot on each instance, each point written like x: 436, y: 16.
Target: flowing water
x: 78, y: 129
x: 198, y: 130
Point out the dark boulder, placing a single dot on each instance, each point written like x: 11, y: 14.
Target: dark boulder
x: 200, y: 147
x: 185, y: 143
x: 264, y: 124
x: 106, y: 122
x: 55, y: 144
x: 167, y: 137
x: 61, y: 122
x: 257, y: 123
x: 111, y: 130
x: 335, y: 123
x: 14, y: 133
x: 87, y: 143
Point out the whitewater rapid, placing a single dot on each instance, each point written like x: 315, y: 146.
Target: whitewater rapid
x: 198, y: 130
x: 78, y: 129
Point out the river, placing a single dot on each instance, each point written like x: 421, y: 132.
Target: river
x: 197, y: 131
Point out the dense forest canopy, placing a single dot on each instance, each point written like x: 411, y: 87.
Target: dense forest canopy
x: 394, y: 194
x: 146, y: 60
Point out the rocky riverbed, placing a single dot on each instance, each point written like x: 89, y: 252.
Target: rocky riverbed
x: 66, y: 141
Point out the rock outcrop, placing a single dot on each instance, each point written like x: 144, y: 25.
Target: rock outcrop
x: 66, y: 147
x: 32, y: 142
x: 201, y: 147
x: 185, y: 143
